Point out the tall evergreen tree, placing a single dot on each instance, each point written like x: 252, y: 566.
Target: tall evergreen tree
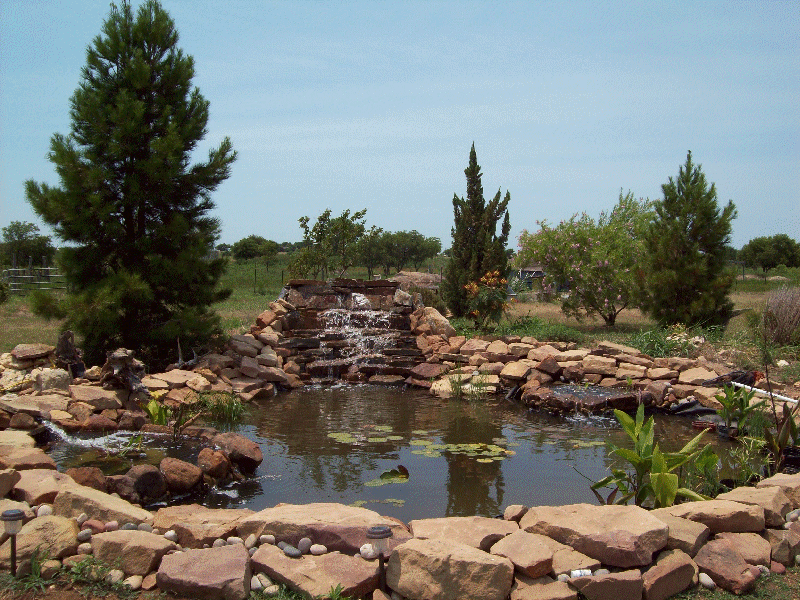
x: 686, y: 242
x: 476, y: 246
x: 134, y: 211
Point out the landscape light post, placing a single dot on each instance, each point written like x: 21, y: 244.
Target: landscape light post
x: 379, y: 535
x: 12, y: 521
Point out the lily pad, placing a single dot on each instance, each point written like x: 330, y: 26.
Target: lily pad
x: 395, y: 501
x: 485, y: 460
x: 343, y: 437
x: 421, y: 442
x: 384, y: 428
x: 377, y: 439
x: 419, y: 432
x: 395, y: 438
x: 358, y: 503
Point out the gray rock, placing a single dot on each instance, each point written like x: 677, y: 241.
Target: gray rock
x: 218, y: 543
x: 318, y: 549
x: 267, y: 539
x: 251, y: 541
x: 304, y: 545
x: 252, y: 551
x: 129, y: 527
x: 145, y: 527
x: 291, y: 551
x: 234, y: 540
x: 171, y: 535
x: 282, y: 545
x: 84, y: 535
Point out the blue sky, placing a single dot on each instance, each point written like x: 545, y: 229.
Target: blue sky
x: 351, y: 105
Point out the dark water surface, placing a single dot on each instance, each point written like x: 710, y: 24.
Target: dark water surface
x: 332, y: 444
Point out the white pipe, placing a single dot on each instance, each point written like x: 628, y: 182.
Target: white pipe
x: 764, y: 392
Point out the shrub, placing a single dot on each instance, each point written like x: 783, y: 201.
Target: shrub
x: 781, y: 317
x: 430, y: 298
x: 5, y: 291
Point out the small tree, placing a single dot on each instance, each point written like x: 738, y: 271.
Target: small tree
x: 255, y: 246
x: 369, y: 249
x: 597, y: 261
x: 685, y: 280
x: 133, y: 208
x: 23, y: 241
x: 767, y: 253
x: 477, y: 248
x: 331, y: 244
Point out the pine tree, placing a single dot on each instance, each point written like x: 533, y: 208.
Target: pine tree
x: 133, y: 210
x: 476, y: 246
x: 686, y: 242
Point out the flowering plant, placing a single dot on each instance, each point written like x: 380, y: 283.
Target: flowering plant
x: 486, y: 299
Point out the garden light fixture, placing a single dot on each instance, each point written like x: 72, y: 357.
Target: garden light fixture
x: 379, y: 536
x: 12, y: 521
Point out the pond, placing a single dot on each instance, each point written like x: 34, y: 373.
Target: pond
x: 333, y: 444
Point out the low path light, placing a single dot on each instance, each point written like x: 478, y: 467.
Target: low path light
x: 12, y: 521
x: 379, y: 536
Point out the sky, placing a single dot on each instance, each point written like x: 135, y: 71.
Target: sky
x: 352, y: 105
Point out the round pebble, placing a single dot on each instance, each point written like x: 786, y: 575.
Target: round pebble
x: 252, y: 551
x: 304, y: 545
x: 84, y: 535
x: 218, y: 543
x: 145, y: 527
x: 115, y: 576
x: 85, y: 548
x: 318, y: 549
x: 251, y: 541
x: 82, y: 518
x: 291, y: 551
x: 267, y: 539
x: 793, y: 515
x: 134, y: 582
x: 272, y: 590
x: 111, y: 526
x: 171, y: 535
x: 44, y: 510
x: 129, y: 527
x: 282, y: 545
x: 601, y: 572
x: 255, y: 584
x: 234, y: 539
x: 706, y: 581
x: 563, y: 577
x: 368, y: 552
x: 265, y: 581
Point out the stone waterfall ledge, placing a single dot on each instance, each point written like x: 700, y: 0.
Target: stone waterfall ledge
x: 537, y: 552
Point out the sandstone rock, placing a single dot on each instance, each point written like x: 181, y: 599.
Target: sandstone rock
x: 541, y: 588
x: 472, y: 346
x: 88, y: 476
x: 209, y: 574
x: 784, y: 544
x: 565, y: 559
x: 25, y: 458
x: 771, y: 498
x: 336, y: 526
x: 99, y: 423
x: 529, y: 554
x: 441, y: 388
x: 154, y: 384
x: 571, y: 355
x: 718, y: 515
x: 177, y: 378
x: 685, y: 535
x: 16, y: 439
x: 35, y: 406
x: 514, y: 512
x: 673, y: 572
x: 148, y: 481
x: 38, y: 486
x: 617, y: 535
x: 541, y: 352
x: 436, y: 569
x: 97, y: 397
x: 661, y: 373
x: 196, y: 525
x: 428, y: 371
x: 623, y: 585
x: 314, y: 576
x: 601, y: 365
x: 725, y: 566
x: 31, y: 351
x: 80, y: 410
x: 755, y: 550
x: 627, y: 370
x: 612, y: 348
x: 478, y: 532
x: 214, y: 463
x: 431, y: 319
x: 134, y: 552
x: 696, y: 376
x: 245, y: 453
x: 75, y: 500
x: 8, y: 479
x: 51, y: 379
x: 790, y: 484
x: 180, y: 475
x: 54, y: 535
x: 550, y: 367
x: 22, y: 420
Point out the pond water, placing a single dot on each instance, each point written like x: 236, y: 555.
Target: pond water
x: 333, y: 444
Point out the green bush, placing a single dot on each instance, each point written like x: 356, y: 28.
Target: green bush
x: 5, y: 291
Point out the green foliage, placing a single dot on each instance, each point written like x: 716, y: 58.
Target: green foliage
x: 369, y: 249
x: 597, y: 261
x: 785, y: 435
x: 736, y: 406
x: 477, y: 248
x: 540, y: 329
x: 767, y: 253
x: 661, y: 342
x: 330, y: 245
x: 30, y: 581
x: 400, y: 248
x: 135, y: 211
x: 487, y: 299
x: 255, y: 246
x: 159, y: 414
x: 5, y: 291
x: 685, y: 278
x: 702, y: 473
x: 224, y: 408
x: 90, y: 574
x: 649, y: 479
x: 24, y: 241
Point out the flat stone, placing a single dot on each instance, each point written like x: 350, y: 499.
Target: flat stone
x: 40, y: 486
x: 627, y: 370
x: 154, y: 384
x: 56, y: 536
x: 25, y: 458
x: 134, y: 552
x: 600, y: 365
x: 542, y: 352
x: 514, y: 512
x: 336, y: 526
x: 673, y: 572
x: 784, y: 544
x: 616, y: 535
x: 209, y: 574
x: 696, y: 376
x: 614, y: 349
x: 685, y: 535
x: 623, y: 585
x: 17, y: 439
x: 177, y: 378
x: 790, y: 484
x: 427, y: 371
x: 725, y: 566
x: 196, y: 525
x: 772, y: 499
x: 541, y: 588
x: 31, y: 351
x: 529, y: 554
x: 478, y: 532
x: 661, y: 373
x: 718, y: 515
x: 35, y: 406
x: 315, y: 576
x: 97, y: 397
x: 755, y: 550
x: 516, y: 371
x: 76, y: 499
x: 473, y: 345
x: 437, y: 569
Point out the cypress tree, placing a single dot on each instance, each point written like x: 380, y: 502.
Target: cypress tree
x: 132, y: 208
x: 476, y: 246
x: 686, y: 241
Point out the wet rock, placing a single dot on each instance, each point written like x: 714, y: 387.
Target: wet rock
x: 148, y: 481
x: 89, y: 476
x: 245, y: 453
x: 436, y: 569
x: 180, y: 475
x: 208, y: 574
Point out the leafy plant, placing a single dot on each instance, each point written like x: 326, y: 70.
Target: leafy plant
x: 32, y: 581
x: 90, y: 574
x: 486, y: 299
x: 785, y: 435
x: 749, y: 461
x: 702, y: 473
x: 158, y: 413
x: 736, y: 406
x: 650, y: 479
x: 223, y: 407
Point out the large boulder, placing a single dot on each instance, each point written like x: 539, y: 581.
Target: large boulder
x: 197, y: 525
x: 180, y: 475
x: 673, y: 572
x: 134, y: 552
x: 755, y: 550
x: 616, y: 535
x: 8, y: 479
x: 41, y: 486
x: 436, y: 569
x: 529, y: 554
x: 148, y: 481
x: 77, y: 499
x: 315, y: 576
x: 97, y: 397
x: 771, y: 498
x: 718, y: 515
x: 685, y: 535
x: 244, y: 453
x: 336, y: 526
x: 622, y: 585
x: 790, y: 484
x: 726, y: 567
x: 478, y: 532
x: 428, y: 320
x: 52, y: 535
x: 566, y: 559
x: 25, y: 458
x: 35, y: 406
x: 208, y: 574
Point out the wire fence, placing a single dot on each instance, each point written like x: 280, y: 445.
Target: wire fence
x: 22, y: 281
